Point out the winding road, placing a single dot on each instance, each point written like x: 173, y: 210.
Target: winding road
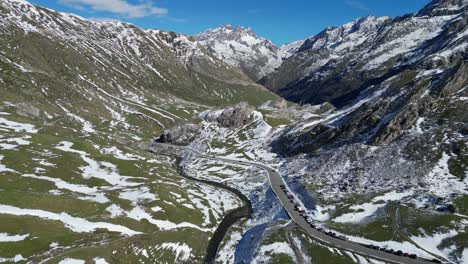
x: 275, y: 182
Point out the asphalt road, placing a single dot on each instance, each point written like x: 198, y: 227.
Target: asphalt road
x: 276, y: 181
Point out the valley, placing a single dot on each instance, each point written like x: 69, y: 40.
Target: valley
x: 127, y: 145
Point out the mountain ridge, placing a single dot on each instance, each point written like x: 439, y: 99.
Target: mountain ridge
x: 242, y: 48
x: 354, y: 51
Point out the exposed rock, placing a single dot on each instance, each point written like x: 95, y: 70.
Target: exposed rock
x: 280, y: 103
x: 442, y: 8
x: 28, y: 110
x: 123, y: 141
x: 397, y: 126
x: 320, y: 108
x: 242, y: 48
x: 326, y: 107
x: 464, y: 129
x: 232, y: 117
x: 180, y: 135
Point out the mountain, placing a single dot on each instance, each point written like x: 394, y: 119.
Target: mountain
x: 339, y: 63
x: 288, y: 49
x: 400, y: 128
x: 372, y: 145
x: 400, y: 88
x: 384, y: 74
x: 242, y: 48
x: 57, y: 56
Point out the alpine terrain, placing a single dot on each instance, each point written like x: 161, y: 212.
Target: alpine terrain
x: 127, y: 145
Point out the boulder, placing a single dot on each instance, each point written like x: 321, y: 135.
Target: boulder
x: 27, y: 110
x: 180, y: 135
x: 231, y: 117
x: 280, y: 103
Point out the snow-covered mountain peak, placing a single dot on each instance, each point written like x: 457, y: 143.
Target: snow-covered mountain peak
x: 15, y: 4
x: 367, y: 23
x: 227, y: 32
x: 241, y: 47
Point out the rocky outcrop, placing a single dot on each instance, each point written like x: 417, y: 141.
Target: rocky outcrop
x: 231, y: 117
x: 28, y: 110
x: 180, y: 135
x: 443, y: 8
x: 280, y: 103
x: 320, y: 108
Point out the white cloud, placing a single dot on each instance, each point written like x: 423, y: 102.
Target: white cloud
x: 121, y: 7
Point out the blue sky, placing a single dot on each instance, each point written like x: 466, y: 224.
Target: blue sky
x: 280, y: 21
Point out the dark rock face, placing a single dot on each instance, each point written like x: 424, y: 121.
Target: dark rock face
x: 437, y: 101
x: 441, y: 8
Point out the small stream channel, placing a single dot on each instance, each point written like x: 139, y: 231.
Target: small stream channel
x: 229, y: 219
x: 261, y: 210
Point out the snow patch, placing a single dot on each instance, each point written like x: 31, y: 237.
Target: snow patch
x: 72, y: 261
x: 441, y: 182
x: 430, y: 243
x: 275, y: 248
x: 15, y: 259
x: 4, y: 237
x: 368, y: 209
x: 100, y: 261
x: 182, y: 251
x: 16, y: 126
x: 75, y: 224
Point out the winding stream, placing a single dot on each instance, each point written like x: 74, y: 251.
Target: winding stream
x: 229, y: 219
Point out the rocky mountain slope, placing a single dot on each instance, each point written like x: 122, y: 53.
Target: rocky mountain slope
x: 291, y: 48
x: 57, y: 57
x: 400, y: 88
x: 339, y: 63
x: 384, y: 74
x: 242, y: 48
